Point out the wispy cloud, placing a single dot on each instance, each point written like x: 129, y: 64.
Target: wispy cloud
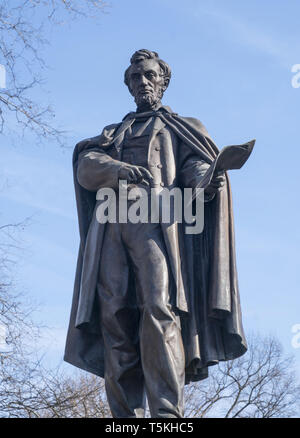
x: 39, y: 183
x: 244, y: 32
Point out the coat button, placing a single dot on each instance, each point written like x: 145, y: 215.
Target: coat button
x: 162, y: 184
x: 159, y: 166
x: 157, y: 148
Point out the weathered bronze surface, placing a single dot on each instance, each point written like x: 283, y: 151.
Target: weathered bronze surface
x: 153, y: 306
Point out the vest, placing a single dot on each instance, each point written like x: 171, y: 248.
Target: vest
x: 136, y: 143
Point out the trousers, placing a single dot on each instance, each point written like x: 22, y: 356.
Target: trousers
x: 144, y: 354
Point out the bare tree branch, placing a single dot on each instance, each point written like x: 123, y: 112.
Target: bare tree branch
x: 23, y: 26
x: 260, y: 384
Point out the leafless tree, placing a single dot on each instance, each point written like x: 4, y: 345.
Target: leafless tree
x: 80, y: 396
x: 19, y: 367
x: 42, y: 393
x: 27, y: 388
x: 260, y: 384
x: 23, y: 26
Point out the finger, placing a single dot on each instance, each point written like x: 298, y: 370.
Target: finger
x: 146, y: 173
x: 137, y: 172
x: 216, y: 185
x: 131, y: 175
x: 219, y: 178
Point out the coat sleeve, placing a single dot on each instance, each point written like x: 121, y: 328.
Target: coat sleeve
x: 192, y: 169
x: 97, y: 169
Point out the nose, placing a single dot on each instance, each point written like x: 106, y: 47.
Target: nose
x: 143, y: 80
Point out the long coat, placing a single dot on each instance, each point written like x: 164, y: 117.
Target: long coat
x: 203, y: 266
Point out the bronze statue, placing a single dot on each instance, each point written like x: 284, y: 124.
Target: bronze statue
x: 154, y: 306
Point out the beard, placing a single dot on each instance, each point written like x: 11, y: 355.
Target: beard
x: 148, y: 101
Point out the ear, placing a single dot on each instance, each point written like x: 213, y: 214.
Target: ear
x: 166, y: 83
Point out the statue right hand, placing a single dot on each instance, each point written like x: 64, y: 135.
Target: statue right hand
x: 134, y: 174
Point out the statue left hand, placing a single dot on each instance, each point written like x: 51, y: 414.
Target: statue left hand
x: 217, y: 183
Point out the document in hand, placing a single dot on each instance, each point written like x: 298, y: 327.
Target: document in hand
x: 230, y: 157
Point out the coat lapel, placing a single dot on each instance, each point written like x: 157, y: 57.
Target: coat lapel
x: 157, y: 126
x: 119, y: 137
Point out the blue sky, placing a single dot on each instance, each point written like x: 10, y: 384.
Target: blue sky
x: 231, y: 68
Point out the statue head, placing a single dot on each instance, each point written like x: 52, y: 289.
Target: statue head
x: 147, y: 78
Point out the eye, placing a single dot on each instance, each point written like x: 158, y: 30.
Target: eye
x: 150, y: 74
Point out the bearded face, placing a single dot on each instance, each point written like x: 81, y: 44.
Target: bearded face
x: 146, y: 84
x: 147, y: 99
